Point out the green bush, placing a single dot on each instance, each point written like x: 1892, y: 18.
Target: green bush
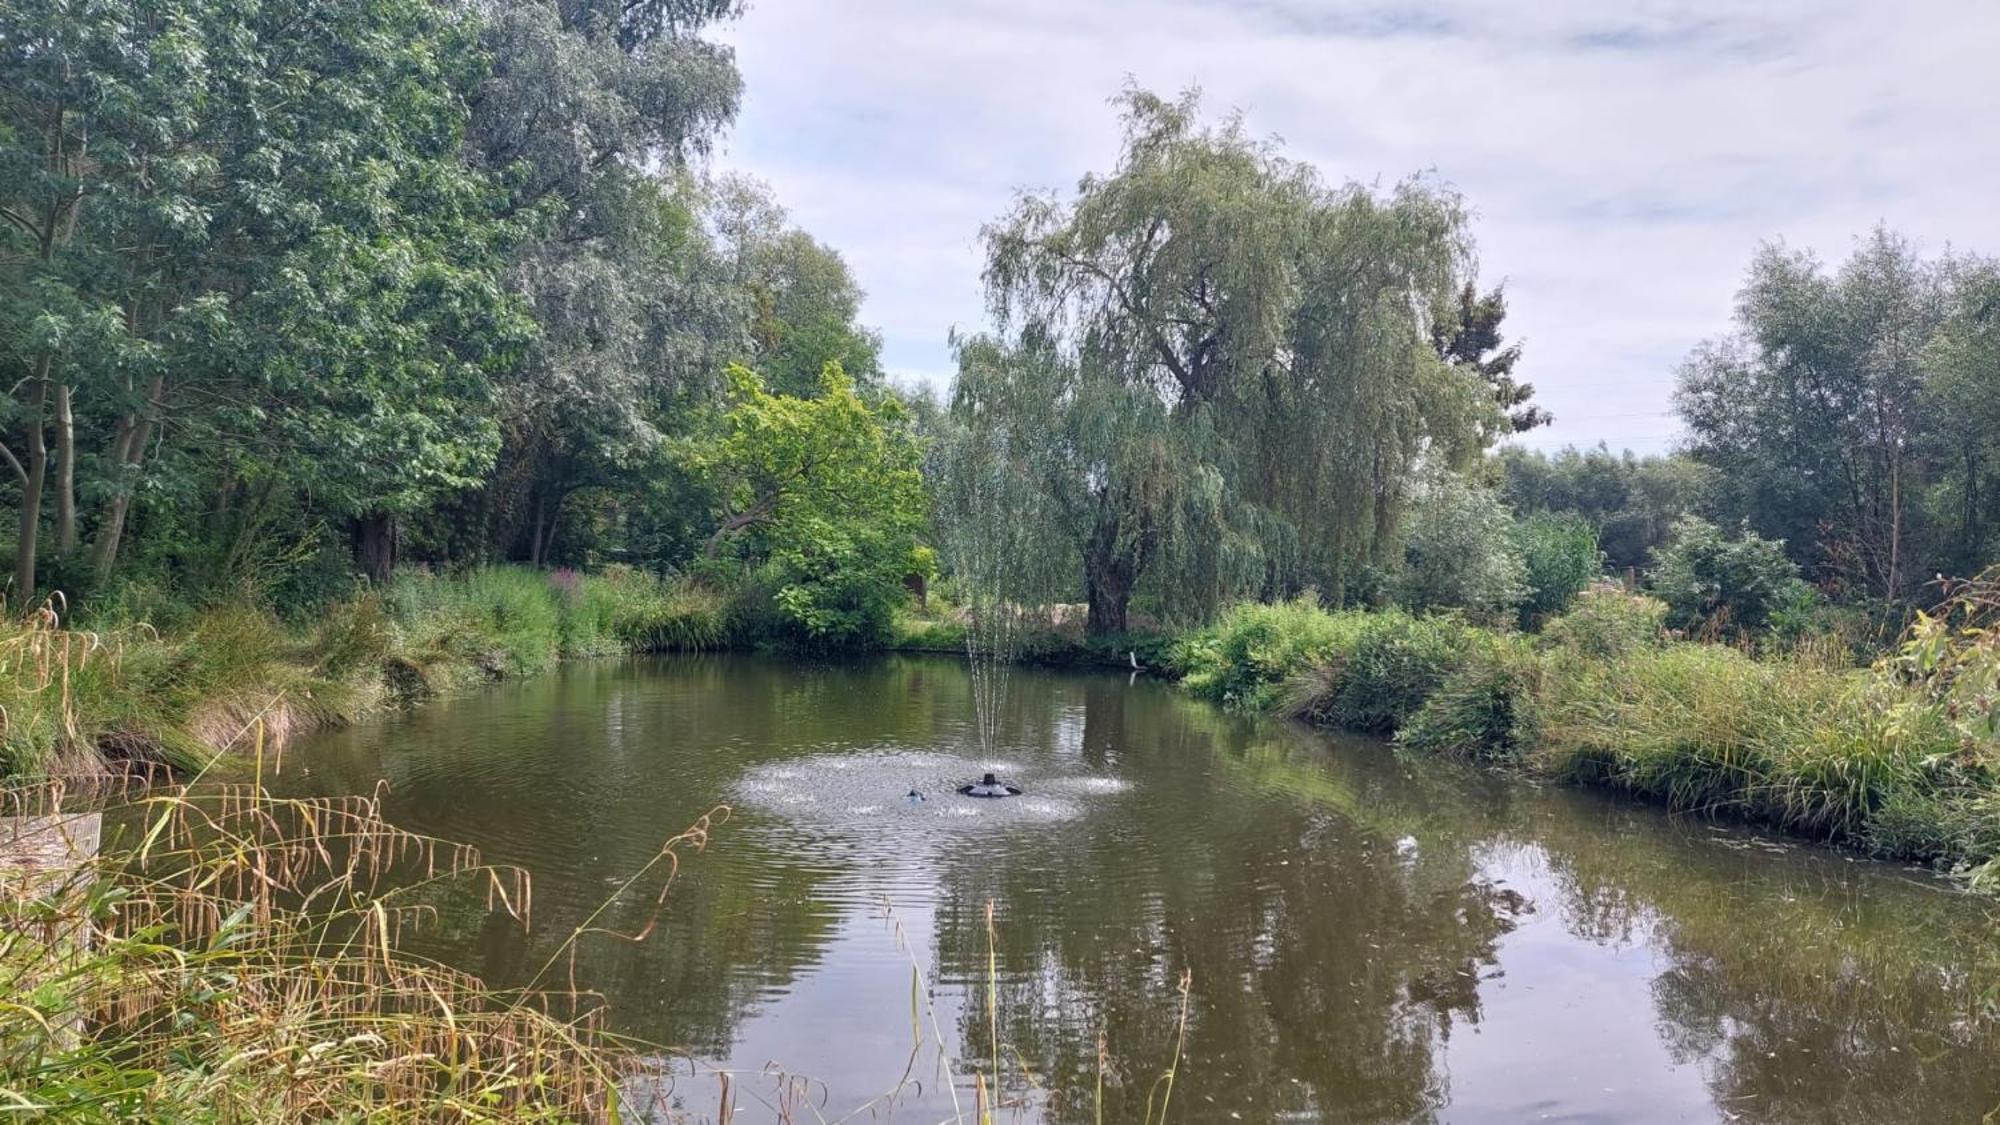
x: 832, y: 600
x: 1560, y: 558
x: 1255, y: 649
x: 1482, y: 710
x: 1719, y: 585
x: 1460, y: 552
x: 1394, y: 663
x: 1605, y: 623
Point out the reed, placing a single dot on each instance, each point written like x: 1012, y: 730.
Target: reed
x: 233, y: 956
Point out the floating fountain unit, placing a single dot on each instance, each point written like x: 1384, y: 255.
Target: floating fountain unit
x: 990, y: 786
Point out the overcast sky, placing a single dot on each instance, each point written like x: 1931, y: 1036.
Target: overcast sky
x: 1623, y: 160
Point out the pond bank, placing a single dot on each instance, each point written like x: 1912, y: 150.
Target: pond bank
x: 81, y: 702
x: 1888, y: 760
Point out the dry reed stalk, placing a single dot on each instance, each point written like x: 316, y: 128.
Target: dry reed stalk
x: 247, y: 963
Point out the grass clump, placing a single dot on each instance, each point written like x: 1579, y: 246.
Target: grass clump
x: 1363, y: 670
x: 1707, y: 728
x: 77, y: 703
x: 621, y: 610
x: 244, y: 961
x: 494, y: 621
x: 1605, y: 623
x: 1482, y: 711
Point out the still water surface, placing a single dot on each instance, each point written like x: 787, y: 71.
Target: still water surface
x: 1369, y: 939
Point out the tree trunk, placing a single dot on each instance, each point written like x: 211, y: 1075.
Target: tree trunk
x: 32, y: 480
x: 128, y: 452
x: 541, y: 522
x: 1108, y: 576
x: 547, y: 517
x: 1895, y: 527
x: 65, y: 474
x: 374, y: 542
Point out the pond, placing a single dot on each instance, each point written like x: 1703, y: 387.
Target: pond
x: 1366, y: 938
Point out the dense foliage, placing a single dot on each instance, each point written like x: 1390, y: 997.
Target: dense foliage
x: 1223, y: 367
x: 826, y: 491
x: 304, y: 290
x: 315, y: 306
x: 1726, y: 584
x: 1851, y: 414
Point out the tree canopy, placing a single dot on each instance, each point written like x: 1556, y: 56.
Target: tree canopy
x: 1248, y: 351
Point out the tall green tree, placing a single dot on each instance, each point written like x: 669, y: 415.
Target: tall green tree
x: 1256, y: 340
x: 1962, y: 401
x: 101, y: 157
x: 824, y: 490
x: 258, y: 236
x: 1814, y: 409
x: 1630, y: 502
x: 803, y: 304
x: 1468, y: 335
x: 590, y: 114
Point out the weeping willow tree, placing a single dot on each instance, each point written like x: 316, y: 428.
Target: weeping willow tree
x: 1224, y: 364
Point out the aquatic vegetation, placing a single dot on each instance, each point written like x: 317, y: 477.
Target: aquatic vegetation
x: 1254, y: 650
x: 1479, y: 711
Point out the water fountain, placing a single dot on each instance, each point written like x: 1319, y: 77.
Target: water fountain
x: 993, y: 529
x: 990, y: 786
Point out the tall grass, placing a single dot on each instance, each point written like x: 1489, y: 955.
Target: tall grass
x: 235, y: 957
x: 76, y: 702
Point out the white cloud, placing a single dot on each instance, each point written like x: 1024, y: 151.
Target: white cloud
x: 1623, y: 161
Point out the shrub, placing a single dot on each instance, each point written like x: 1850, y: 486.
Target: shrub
x: 832, y: 599
x: 1724, y: 586
x: 1560, y: 559
x: 1459, y: 551
x: 1606, y: 623
x: 1248, y: 656
x: 1393, y: 663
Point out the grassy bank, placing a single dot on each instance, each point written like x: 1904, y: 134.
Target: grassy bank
x: 79, y: 701
x: 1901, y: 759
